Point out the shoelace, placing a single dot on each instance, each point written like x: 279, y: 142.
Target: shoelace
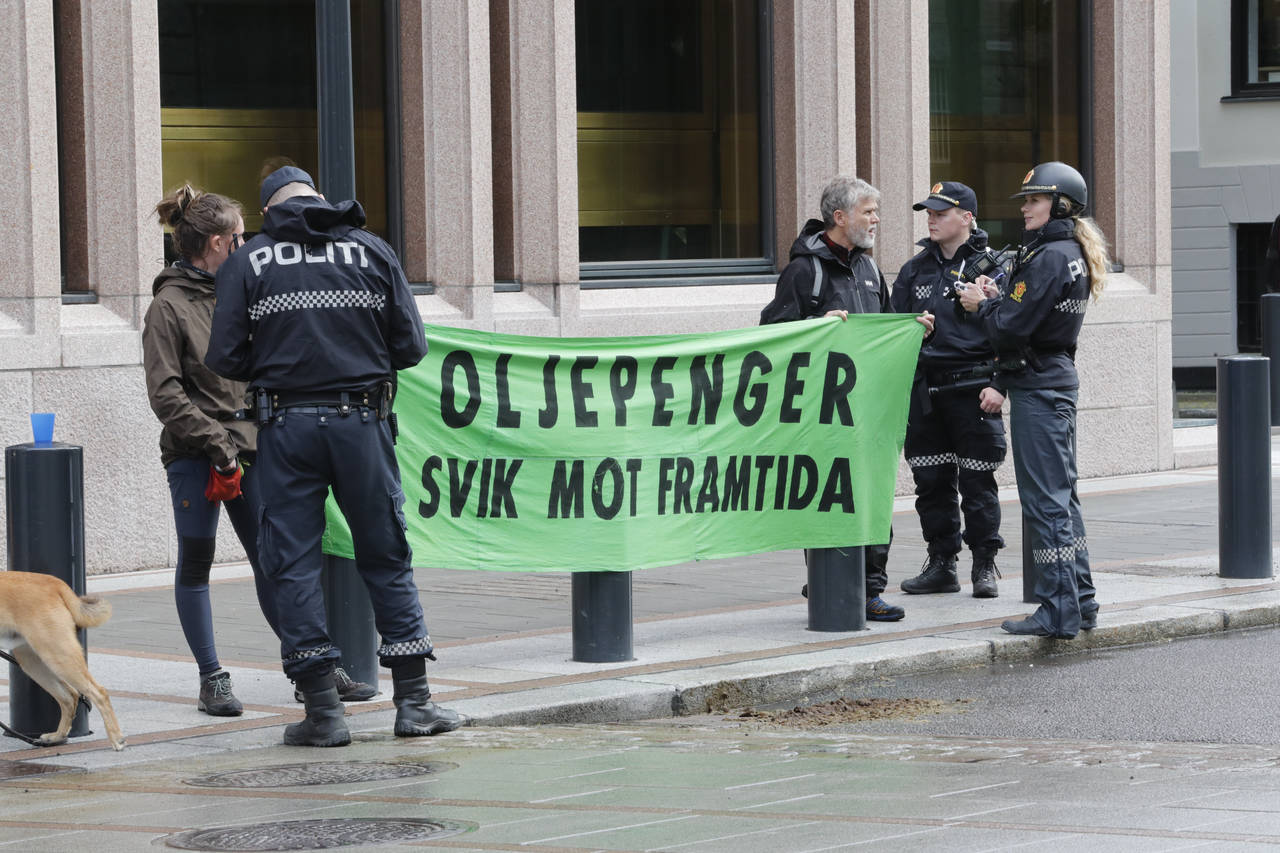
x: 221, y: 685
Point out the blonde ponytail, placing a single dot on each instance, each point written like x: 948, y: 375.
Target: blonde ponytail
x: 1094, y: 246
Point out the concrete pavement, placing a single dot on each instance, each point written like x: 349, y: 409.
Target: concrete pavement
x: 711, y: 635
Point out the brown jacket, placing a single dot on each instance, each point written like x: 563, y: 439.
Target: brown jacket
x: 195, y: 405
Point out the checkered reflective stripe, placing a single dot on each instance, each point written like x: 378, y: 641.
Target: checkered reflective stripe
x: 1054, y: 555
x: 1071, y: 306
x: 316, y: 299
x: 420, y: 647
x: 1082, y: 544
x: 978, y: 464
x: 935, y: 459
x: 923, y: 291
x: 310, y: 653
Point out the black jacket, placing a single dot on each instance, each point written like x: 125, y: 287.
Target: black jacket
x: 922, y: 284
x: 857, y: 287
x: 1042, y: 310
x: 314, y: 303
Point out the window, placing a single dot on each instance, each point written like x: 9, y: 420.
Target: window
x: 1251, y: 283
x: 670, y: 165
x: 1005, y: 94
x: 238, y: 89
x: 1255, y: 48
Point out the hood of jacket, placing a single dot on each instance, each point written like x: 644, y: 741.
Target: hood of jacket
x: 810, y: 242
x: 181, y: 274
x: 311, y: 220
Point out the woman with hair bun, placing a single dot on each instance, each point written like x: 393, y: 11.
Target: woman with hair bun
x: 206, y: 452
x: 1037, y: 319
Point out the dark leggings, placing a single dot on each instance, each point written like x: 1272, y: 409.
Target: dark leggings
x: 196, y: 520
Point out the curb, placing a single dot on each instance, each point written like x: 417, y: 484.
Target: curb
x: 717, y: 688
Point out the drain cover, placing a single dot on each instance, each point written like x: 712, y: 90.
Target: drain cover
x: 315, y: 834
x: 319, y: 773
x: 17, y: 769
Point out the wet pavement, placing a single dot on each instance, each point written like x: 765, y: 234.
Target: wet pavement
x: 709, y: 636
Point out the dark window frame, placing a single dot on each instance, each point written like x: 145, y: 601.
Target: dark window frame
x: 1241, y: 88
x: 602, y: 275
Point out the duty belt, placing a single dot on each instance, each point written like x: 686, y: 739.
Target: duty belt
x: 267, y: 404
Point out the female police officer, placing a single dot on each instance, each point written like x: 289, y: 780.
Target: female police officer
x: 1062, y: 262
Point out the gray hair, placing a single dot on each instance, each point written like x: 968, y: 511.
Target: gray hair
x: 844, y: 193
x: 290, y: 190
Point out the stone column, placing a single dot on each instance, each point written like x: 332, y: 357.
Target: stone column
x: 446, y: 151
x: 815, y: 89
x: 122, y: 177
x: 1126, y: 356
x: 30, y: 277
x: 1131, y: 192
x: 893, y: 113
x: 543, y: 153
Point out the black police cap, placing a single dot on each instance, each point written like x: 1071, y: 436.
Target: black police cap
x: 277, y: 179
x: 946, y: 195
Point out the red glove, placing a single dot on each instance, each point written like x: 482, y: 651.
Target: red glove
x: 223, y: 486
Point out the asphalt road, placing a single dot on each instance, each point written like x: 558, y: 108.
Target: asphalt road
x: 1223, y: 688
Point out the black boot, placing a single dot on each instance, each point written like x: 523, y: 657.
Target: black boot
x: 324, y: 725
x: 416, y: 715
x: 938, y: 575
x: 984, y: 576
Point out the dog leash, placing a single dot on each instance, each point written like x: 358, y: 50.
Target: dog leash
x: 14, y: 732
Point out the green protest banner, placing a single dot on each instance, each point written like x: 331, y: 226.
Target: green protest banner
x: 552, y: 454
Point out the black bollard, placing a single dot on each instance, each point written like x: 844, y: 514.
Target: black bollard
x: 1030, y: 574
x: 44, y: 496
x: 602, y: 617
x: 837, y: 588
x: 350, y: 616
x: 1271, y: 348
x: 1244, y: 467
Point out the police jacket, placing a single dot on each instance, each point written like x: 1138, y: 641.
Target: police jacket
x: 195, y: 405
x: 855, y: 286
x: 1042, y: 311
x: 922, y: 284
x: 314, y: 303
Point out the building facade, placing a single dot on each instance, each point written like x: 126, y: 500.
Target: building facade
x: 548, y: 167
x: 1226, y: 177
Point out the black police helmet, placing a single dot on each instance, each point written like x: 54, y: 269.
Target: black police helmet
x: 1062, y: 183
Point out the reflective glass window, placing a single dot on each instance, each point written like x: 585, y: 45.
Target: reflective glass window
x: 1004, y: 78
x: 238, y: 92
x: 668, y: 129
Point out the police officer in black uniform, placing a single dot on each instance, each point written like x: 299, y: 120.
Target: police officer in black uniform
x: 315, y: 313
x: 953, y: 445
x: 831, y: 275
x: 1061, y: 263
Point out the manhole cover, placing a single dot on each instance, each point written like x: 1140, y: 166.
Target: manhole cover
x: 319, y: 773
x: 17, y: 769
x: 322, y: 834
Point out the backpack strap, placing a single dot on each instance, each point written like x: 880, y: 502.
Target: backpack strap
x: 815, y: 298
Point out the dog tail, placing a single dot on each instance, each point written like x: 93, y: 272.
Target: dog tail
x: 88, y: 611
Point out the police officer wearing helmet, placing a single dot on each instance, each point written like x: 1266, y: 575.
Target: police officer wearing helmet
x: 953, y: 445
x: 316, y: 314
x: 1061, y: 264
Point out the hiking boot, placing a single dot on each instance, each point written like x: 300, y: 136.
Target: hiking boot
x: 349, y: 690
x: 1031, y: 628
x: 416, y: 716
x: 1089, y: 619
x: 879, y: 610
x: 216, y: 698
x: 938, y: 575
x: 984, y: 577
x: 324, y: 725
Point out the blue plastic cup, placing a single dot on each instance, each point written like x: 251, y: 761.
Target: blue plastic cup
x: 42, y: 427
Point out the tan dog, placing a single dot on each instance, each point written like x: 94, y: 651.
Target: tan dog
x: 39, y: 615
